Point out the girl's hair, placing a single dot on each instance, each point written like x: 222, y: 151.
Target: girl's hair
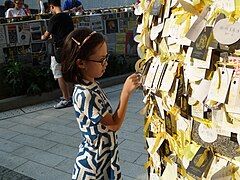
x: 79, y: 44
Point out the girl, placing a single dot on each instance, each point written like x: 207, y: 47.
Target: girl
x: 84, y: 59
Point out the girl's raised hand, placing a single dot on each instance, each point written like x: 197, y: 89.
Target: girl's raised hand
x: 132, y: 83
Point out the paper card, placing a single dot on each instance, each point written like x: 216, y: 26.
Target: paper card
x: 151, y: 143
x: 183, y: 123
x: 169, y: 76
x: 198, y: 110
x: 235, y: 61
x: 220, y: 84
x: 225, y: 173
x: 171, y: 41
x: 174, y: 48
x: 233, y: 95
x: 217, y: 164
x: 171, y: 98
x: 154, y: 176
x: 200, y: 46
x: 204, y: 63
x: 139, y: 28
x: 170, y: 124
x: 198, y: 25
x: 170, y: 171
x: 227, y: 5
x: 159, y: 74
x: 187, y: 6
x: 226, y: 32
x: 160, y: 106
x: 151, y: 73
x: 146, y: 39
x: 155, y: 30
x: 166, y: 9
x: 167, y: 26
x: 207, y: 134
x: 200, y: 91
x: 197, y: 168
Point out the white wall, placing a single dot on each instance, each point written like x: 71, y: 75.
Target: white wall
x: 88, y: 4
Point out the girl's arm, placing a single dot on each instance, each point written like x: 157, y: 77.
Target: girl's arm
x: 114, y: 122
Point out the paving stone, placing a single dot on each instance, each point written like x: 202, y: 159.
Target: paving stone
x: 59, y: 121
x: 134, y: 146
x: 142, y: 159
x: 52, y: 112
x: 39, y: 156
x: 73, y: 124
x: 28, y: 130
x: 66, y: 166
x: 63, y: 139
x: 59, y: 129
x: 8, y: 146
x: 130, y: 127
x: 27, y: 121
x: 41, y: 172
x: 7, y: 134
x: 7, y: 124
x: 128, y: 155
x: 11, y: 161
x: 31, y: 115
x: 127, y: 177
x: 34, y: 142
x: 131, y: 136
x: 10, y: 113
x: 133, y: 170
x: 64, y: 150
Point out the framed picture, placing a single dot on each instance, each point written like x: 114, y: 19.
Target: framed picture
x: 111, y: 26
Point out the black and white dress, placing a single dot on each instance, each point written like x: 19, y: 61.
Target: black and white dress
x: 98, y: 153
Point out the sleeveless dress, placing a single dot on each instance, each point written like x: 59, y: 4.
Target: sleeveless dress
x: 98, y: 153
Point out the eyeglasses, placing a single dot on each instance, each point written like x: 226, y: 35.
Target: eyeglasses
x: 102, y: 61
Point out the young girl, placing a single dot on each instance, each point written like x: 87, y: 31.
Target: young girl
x: 85, y: 58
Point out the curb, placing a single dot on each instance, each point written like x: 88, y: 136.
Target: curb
x: 22, y: 101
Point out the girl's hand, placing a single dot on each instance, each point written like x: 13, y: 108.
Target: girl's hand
x: 132, y: 83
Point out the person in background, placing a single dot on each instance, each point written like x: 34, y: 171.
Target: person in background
x: 8, y: 4
x: 74, y: 6
x: 84, y: 59
x: 27, y: 10
x: 46, y: 7
x: 17, y: 11
x: 41, y: 5
x: 59, y: 26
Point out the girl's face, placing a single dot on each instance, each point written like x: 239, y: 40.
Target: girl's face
x: 95, y: 65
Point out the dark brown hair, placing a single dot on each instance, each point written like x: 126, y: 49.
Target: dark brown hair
x: 72, y: 52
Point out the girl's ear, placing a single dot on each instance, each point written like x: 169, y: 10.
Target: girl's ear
x: 80, y: 64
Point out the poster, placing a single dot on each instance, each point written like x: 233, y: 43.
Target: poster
x: 11, y: 30
x: 36, y: 31
x: 96, y: 22
x: 24, y: 35
x: 84, y: 22
x: 111, y: 26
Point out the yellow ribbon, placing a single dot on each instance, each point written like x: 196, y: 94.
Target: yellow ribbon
x: 202, y: 158
x: 206, y: 122
x: 157, y: 142
x: 148, y: 163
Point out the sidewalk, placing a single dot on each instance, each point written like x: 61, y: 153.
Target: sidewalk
x: 41, y: 143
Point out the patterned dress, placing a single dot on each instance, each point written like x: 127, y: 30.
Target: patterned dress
x: 98, y: 153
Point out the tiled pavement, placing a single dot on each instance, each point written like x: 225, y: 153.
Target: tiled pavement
x: 40, y: 142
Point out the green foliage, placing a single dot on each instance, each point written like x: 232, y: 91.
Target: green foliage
x: 27, y: 80
x: 13, y: 76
